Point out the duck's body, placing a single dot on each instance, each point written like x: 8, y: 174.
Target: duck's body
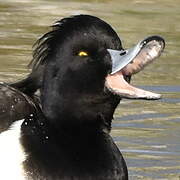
x: 12, y: 154
x: 67, y: 136
x: 81, y: 157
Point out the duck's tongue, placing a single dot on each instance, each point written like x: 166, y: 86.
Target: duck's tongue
x: 129, y: 62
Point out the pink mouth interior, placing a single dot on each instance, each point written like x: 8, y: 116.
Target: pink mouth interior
x: 117, y: 84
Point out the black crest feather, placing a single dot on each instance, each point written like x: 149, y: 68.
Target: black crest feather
x: 46, y: 45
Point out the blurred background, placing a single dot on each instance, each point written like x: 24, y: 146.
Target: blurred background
x: 147, y: 132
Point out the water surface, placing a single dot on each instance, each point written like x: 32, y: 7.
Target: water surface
x: 147, y: 132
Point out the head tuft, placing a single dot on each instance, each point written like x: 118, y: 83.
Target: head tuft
x: 46, y: 46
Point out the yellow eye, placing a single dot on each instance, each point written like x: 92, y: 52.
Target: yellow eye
x: 82, y: 53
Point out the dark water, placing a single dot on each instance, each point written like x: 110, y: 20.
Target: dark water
x: 147, y: 132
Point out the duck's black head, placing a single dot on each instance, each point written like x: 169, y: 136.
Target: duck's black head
x: 82, y: 72
x: 76, y: 63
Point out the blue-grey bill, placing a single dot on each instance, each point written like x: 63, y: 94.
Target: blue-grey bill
x: 123, y: 57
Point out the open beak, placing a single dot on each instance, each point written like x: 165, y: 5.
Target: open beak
x: 128, y: 62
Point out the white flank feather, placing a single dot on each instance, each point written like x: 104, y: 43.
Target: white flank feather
x: 11, y: 154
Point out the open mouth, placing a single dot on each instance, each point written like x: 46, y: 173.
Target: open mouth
x: 132, y: 61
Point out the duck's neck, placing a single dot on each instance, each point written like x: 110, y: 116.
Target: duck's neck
x: 66, y: 128
x: 73, y: 129
x: 87, y: 115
